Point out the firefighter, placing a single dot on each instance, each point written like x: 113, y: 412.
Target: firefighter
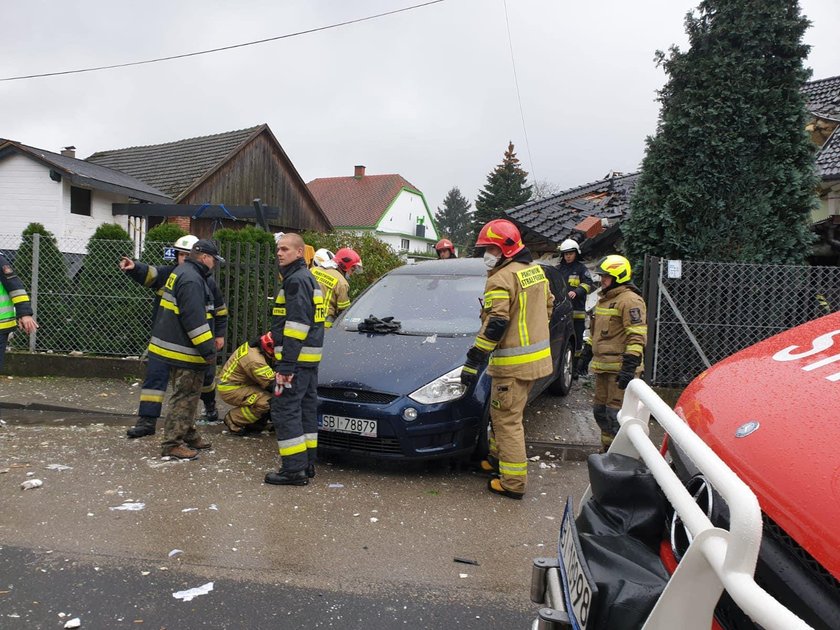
x: 15, y: 307
x: 579, y: 284
x: 157, y: 372
x: 297, y: 328
x: 333, y: 282
x: 247, y: 383
x: 514, y: 340
x: 445, y: 249
x: 618, y: 340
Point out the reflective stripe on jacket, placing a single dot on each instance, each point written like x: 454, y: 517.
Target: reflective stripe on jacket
x: 519, y: 293
x: 297, y: 320
x: 619, y: 327
x: 336, y: 291
x: 14, y: 301
x: 183, y: 334
x: 246, y: 366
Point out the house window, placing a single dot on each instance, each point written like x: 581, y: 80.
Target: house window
x: 404, y: 244
x: 79, y: 201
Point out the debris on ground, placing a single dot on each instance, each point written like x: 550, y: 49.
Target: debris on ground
x: 465, y: 561
x: 189, y: 594
x: 129, y: 506
x: 31, y: 483
x: 73, y: 623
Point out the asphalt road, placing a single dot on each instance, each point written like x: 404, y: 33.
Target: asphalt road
x: 365, y: 545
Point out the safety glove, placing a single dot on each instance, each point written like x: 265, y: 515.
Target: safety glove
x: 475, y: 360
x: 584, y: 359
x: 629, y: 363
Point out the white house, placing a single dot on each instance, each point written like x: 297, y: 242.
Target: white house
x: 388, y: 205
x: 70, y: 197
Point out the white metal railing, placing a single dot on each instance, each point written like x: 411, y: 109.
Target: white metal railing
x: 716, y: 559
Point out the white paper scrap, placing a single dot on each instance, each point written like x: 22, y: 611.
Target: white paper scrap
x: 31, y: 483
x: 58, y: 467
x: 175, y: 552
x: 73, y: 623
x: 129, y: 506
x: 189, y: 594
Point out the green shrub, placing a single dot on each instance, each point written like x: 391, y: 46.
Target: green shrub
x: 158, y: 239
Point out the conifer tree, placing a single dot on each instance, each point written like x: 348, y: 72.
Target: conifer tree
x: 453, y: 219
x: 507, y: 187
x: 729, y: 175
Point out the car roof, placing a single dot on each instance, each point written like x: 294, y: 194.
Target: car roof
x: 448, y: 266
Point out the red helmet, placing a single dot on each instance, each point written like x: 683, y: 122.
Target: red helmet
x: 267, y: 344
x: 503, y: 234
x: 348, y: 261
x: 445, y: 243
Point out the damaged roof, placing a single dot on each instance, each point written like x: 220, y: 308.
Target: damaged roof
x: 823, y: 97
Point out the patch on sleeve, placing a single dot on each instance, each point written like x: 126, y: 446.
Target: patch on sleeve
x: 635, y: 316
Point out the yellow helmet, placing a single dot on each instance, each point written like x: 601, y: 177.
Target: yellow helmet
x: 616, y: 266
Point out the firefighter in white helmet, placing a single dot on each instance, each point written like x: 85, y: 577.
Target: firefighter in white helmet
x: 332, y: 277
x: 579, y: 284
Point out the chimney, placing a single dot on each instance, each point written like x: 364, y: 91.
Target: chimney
x: 69, y: 151
x: 358, y: 171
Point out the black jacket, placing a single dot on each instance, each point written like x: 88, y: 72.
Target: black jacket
x: 183, y: 335
x: 579, y: 280
x: 297, y: 320
x: 154, y: 277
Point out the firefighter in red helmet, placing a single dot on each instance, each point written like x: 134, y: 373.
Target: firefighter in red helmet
x: 331, y: 274
x: 445, y: 249
x: 514, y: 341
x: 247, y: 383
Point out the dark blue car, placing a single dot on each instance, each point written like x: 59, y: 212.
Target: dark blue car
x: 399, y: 394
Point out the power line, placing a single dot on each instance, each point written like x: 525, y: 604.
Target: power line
x: 518, y: 97
x: 214, y: 50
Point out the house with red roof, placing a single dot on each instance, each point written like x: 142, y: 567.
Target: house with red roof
x: 388, y: 205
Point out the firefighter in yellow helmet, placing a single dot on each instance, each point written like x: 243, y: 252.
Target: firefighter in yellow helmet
x: 331, y: 272
x: 247, y: 383
x: 514, y: 340
x: 619, y: 333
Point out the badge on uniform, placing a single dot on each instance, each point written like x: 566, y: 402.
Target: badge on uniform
x: 635, y: 316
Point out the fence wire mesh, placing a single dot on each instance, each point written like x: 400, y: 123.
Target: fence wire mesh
x: 84, y: 303
x: 726, y: 307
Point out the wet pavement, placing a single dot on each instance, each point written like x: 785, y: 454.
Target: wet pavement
x: 365, y: 544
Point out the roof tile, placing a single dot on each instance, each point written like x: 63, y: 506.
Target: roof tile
x: 357, y: 201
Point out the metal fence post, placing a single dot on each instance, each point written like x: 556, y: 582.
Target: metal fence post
x: 36, y: 265
x: 651, y: 297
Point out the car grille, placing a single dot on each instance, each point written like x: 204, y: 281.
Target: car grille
x: 820, y: 574
x: 350, y: 442
x: 356, y: 395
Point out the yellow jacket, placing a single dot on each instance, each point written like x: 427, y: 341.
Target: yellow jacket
x: 518, y: 293
x: 619, y: 327
x: 336, y: 292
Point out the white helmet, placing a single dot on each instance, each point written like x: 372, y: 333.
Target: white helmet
x: 185, y: 243
x: 569, y: 245
x: 322, y: 257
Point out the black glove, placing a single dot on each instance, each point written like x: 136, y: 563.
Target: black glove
x: 475, y: 359
x: 584, y: 359
x: 629, y: 363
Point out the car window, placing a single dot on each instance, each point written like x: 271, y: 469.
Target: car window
x: 423, y: 304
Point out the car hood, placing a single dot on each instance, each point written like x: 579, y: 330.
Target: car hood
x: 396, y: 364
x: 790, y: 385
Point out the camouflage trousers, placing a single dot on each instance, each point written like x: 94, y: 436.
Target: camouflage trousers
x: 179, y: 422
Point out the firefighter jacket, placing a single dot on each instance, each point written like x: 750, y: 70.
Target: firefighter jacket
x: 297, y: 320
x: 336, y: 291
x: 579, y: 280
x: 248, y: 365
x: 14, y: 301
x: 154, y: 277
x: 183, y: 334
x: 618, y: 327
x: 514, y: 320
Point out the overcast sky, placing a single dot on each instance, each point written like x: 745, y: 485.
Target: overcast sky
x: 427, y: 93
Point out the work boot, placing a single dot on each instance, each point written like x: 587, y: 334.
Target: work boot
x: 181, y: 452
x: 310, y: 471
x: 145, y: 426
x: 488, y: 468
x: 199, y: 443
x: 232, y: 428
x: 211, y: 414
x: 495, y: 486
x: 286, y: 478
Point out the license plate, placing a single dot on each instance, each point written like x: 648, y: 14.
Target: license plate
x: 342, y: 424
x: 579, y: 589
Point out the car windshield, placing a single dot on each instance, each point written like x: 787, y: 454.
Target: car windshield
x: 423, y: 304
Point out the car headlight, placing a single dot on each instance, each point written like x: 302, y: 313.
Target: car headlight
x: 442, y: 389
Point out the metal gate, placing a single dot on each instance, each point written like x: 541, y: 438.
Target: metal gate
x: 702, y: 312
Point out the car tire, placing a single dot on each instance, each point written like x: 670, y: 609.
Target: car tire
x: 482, y: 444
x: 562, y: 385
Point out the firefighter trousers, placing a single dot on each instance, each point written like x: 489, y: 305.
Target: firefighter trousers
x: 249, y: 403
x: 607, y: 403
x: 507, y: 435
x: 294, y: 415
x: 154, y: 388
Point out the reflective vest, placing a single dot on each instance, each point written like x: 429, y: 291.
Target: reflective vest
x: 336, y: 291
x: 14, y: 301
x: 619, y: 327
x: 297, y: 320
x: 519, y: 293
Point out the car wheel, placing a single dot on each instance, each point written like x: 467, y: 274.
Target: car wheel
x: 563, y: 383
